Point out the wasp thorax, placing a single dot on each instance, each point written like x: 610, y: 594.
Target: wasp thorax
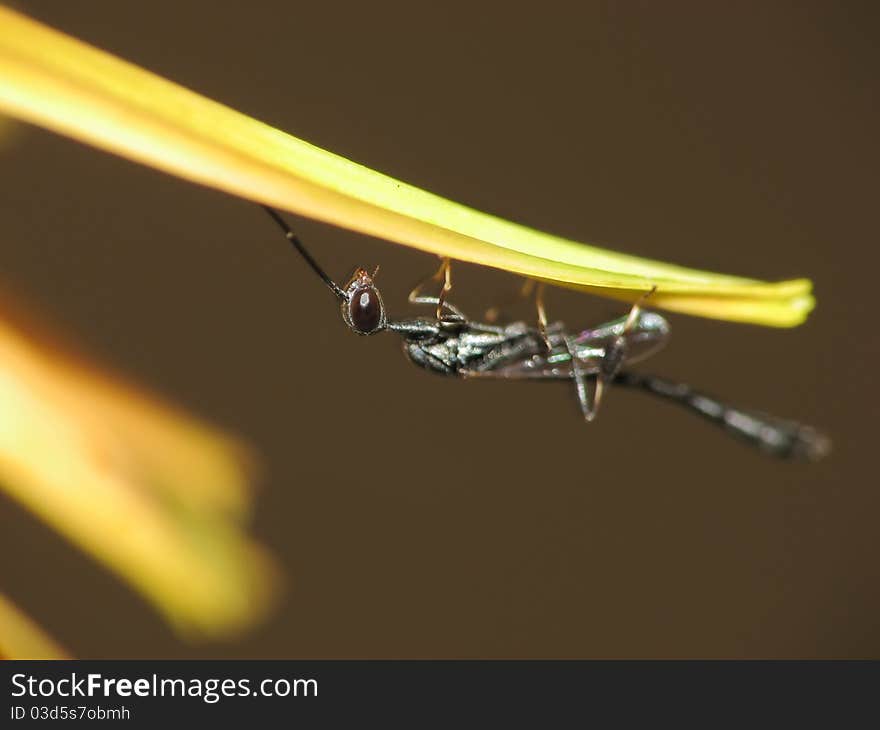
x: 363, y: 310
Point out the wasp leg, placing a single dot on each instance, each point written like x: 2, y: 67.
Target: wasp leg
x: 636, y: 310
x: 542, y: 316
x: 452, y: 313
x: 616, y: 350
x: 444, y: 274
x: 588, y: 387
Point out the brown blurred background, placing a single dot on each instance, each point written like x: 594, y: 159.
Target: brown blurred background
x: 485, y: 519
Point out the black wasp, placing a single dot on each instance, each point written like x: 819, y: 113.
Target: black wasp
x: 449, y: 343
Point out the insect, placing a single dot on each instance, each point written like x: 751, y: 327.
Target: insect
x: 449, y: 343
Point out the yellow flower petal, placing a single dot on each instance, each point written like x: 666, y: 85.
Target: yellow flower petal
x: 65, y: 85
x: 21, y: 638
x: 154, y: 495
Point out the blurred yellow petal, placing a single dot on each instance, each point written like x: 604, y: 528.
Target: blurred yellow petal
x: 21, y: 638
x: 156, y: 496
x: 60, y: 83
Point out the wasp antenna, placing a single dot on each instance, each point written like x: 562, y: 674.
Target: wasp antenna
x: 298, y: 245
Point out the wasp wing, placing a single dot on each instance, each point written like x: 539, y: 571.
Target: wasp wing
x: 649, y: 333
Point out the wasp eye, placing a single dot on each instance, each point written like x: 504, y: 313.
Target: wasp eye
x: 365, y: 310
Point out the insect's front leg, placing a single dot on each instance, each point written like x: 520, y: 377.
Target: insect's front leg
x: 442, y: 275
